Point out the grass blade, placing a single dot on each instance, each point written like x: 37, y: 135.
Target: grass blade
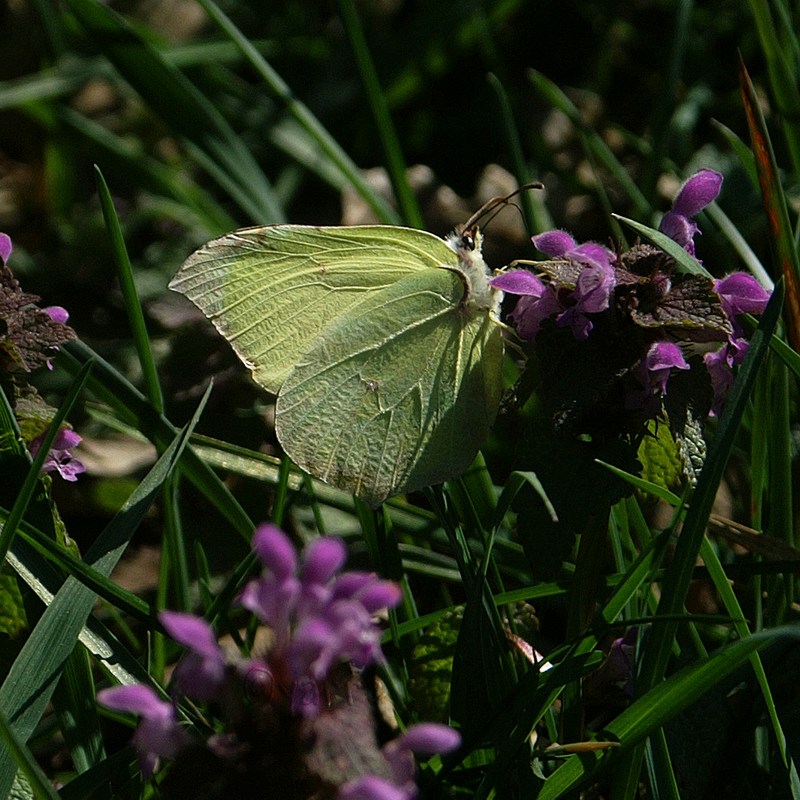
x: 409, y: 208
x: 775, y: 207
x: 30, y: 683
x: 656, y: 708
x: 132, y: 305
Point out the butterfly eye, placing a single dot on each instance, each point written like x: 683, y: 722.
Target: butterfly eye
x: 468, y: 239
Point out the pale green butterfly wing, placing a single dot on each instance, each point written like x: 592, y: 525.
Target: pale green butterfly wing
x: 398, y: 394
x: 270, y: 291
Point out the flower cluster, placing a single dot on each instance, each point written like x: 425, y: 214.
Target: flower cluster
x: 29, y: 340
x: 629, y: 323
x: 301, y: 688
x: 60, y: 459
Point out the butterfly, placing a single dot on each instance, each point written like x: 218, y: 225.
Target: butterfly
x: 381, y: 343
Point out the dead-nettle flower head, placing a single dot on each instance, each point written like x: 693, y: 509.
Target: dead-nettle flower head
x: 318, y: 617
x: 637, y: 305
x: 695, y: 194
x: 60, y: 459
x: 300, y: 686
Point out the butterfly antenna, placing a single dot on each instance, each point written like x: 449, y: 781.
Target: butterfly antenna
x: 496, y: 203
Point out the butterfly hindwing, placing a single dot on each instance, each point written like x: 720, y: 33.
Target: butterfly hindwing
x: 397, y: 394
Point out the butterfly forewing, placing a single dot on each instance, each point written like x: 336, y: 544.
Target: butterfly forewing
x: 398, y: 394
x: 270, y: 291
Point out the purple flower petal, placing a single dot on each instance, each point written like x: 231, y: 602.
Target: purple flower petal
x: 275, y: 550
x: 661, y: 358
x: 426, y: 739
x: 680, y: 229
x: 136, y: 699
x: 60, y: 459
x: 665, y: 355
x: 323, y: 558
x: 348, y: 584
x: 272, y: 602
x: 201, y: 673
x: 720, y: 368
x: 429, y: 738
x: 191, y: 632
x: 379, y: 595
x: 57, y: 314
x: 554, y: 243
x: 697, y: 192
x: 5, y: 247
x: 200, y: 677
x: 741, y: 294
x: 519, y: 281
x: 531, y: 312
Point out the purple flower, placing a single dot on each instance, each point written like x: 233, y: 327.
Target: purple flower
x: 158, y: 733
x: 5, y: 247
x: 560, y: 244
x: 592, y: 295
x: 695, y: 194
x: 653, y: 372
x: 741, y: 293
x: 273, y: 596
x: 720, y: 366
x: 60, y: 459
x: 538, y: 300
x: 425, y: 739
x: 57, y: 314
x: 661, y: 359
x: 201, y: 673
x: 620, y: 661
x: 318, y: 617
x: 371, y: 787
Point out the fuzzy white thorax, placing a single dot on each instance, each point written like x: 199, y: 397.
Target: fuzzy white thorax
x: 467, y: 245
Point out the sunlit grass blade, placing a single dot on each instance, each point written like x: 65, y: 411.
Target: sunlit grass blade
x: 533, y: 696
x: 27, y: 688
x: 133, y: 306
x: 654, y: 709
x: 328, y: 146
x: 395, y: 162
x: 178, y: 102
x: 70, y: 564
x: 734, y: 609
x: 775, y: 208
